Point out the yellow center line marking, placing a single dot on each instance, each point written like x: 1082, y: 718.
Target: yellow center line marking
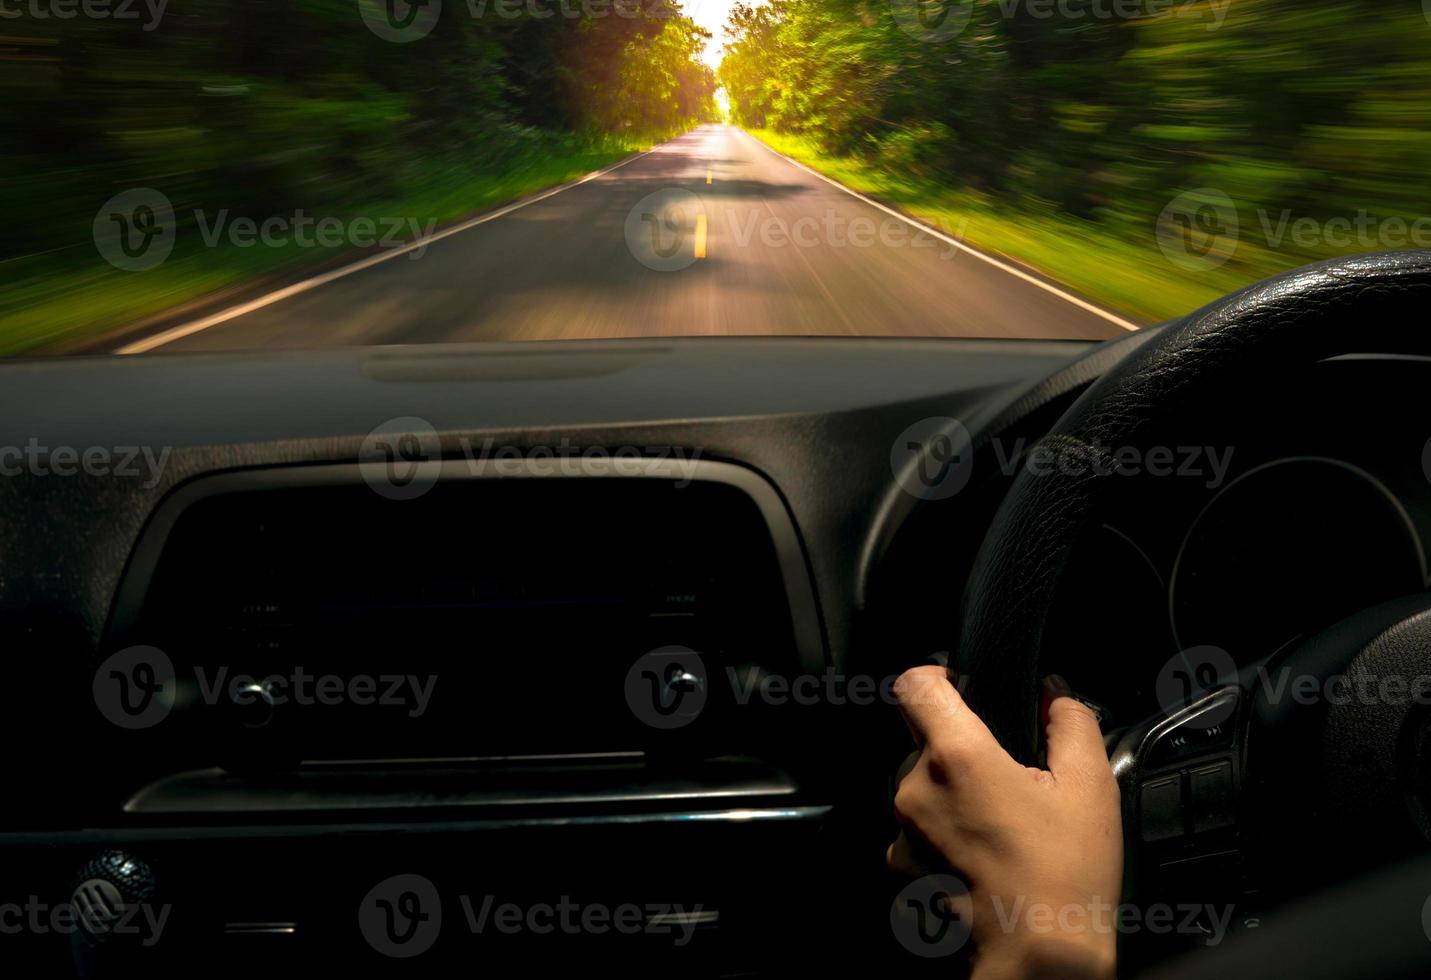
x: 701, y: 236
x: 708, y: 175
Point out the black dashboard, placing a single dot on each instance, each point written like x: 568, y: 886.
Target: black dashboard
x: 530, y: 580
x: 788, y: 547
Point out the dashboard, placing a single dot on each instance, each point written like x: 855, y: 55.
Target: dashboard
x: 258, y: 543
x: 788, y: 549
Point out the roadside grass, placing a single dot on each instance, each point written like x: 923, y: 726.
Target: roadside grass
x: 68, y: 297
x: 1117, y: 265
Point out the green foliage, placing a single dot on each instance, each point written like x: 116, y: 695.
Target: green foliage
x: 664, y: 78
x: 263, y: 108
x: 1093, y: 125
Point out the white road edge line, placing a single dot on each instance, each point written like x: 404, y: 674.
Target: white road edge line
x: 268, y: 299
x: 1010, y: 269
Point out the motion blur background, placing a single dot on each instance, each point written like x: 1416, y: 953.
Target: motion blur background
x: 1151, y: 155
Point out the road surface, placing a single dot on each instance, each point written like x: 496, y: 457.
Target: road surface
x: 712, y: 233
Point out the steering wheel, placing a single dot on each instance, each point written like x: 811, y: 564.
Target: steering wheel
x: 1261, y: 747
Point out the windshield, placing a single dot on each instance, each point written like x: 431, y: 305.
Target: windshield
x: 186, y: 175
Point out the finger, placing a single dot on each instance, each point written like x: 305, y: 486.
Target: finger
x: 1075, y: 742
x: 906, y: 858
x: 931, y: 704
x: 916, y: 685
x: 955, y: 740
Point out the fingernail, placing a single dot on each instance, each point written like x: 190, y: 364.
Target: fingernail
x: 1091, y: 706
x: 1056, y: 686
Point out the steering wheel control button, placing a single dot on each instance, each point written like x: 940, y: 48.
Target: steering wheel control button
x: 1188, y: 741
x: 1210, y: 798
x: 1206, y: 729
x: 1160, y: 805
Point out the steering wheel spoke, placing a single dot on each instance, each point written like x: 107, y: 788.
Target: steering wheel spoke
x: 1183, y: 777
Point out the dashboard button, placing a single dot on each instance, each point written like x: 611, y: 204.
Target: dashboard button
x: 1161, y: 808
x: 1204, y: 732
x: 1210, y: 797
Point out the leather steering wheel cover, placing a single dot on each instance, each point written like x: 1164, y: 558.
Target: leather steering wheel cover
x: 1375, y: 303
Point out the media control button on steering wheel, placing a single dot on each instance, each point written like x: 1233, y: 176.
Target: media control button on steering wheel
x: 1179, y: 772
x: 1202, y: 728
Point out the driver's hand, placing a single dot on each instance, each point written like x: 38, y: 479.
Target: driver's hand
x: 1040, y: 851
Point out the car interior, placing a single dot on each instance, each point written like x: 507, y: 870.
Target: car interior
x: 608, y: 628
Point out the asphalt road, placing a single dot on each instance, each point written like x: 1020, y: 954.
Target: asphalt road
x: 710, y: 234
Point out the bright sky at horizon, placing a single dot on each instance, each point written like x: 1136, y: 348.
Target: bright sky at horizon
x: 710, y: 14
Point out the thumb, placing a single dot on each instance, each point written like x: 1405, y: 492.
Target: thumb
x: 1075, y: 742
